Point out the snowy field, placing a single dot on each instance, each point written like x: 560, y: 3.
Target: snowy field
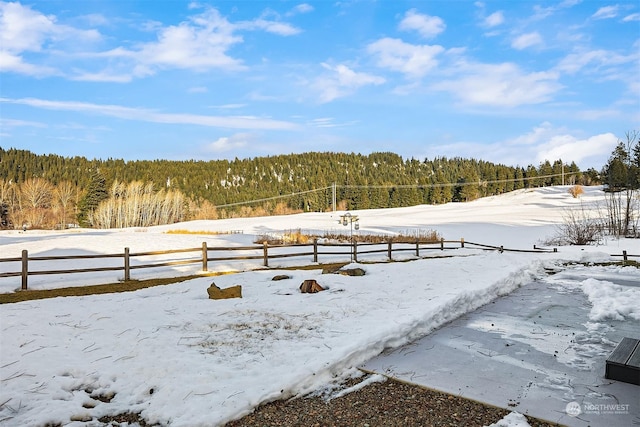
x: 181, y: 359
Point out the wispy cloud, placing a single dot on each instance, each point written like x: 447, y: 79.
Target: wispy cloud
x: 340, y: 81
x: 15, y: 63
x: 524, y: 41
x: 23, y: 30
x: 606, y: 12
x: 301, y: 9
x: 493, y: 20
x: 198, y: 89
x: 145, y: 115
x: 501, y: 85
x: 12, y: 123
x: 230, y: 143
x: 427, y: 26
x: 328, y: 122
x: 412, y: 60
x: 631, y: 18
x: 592, y: 60
x: 199, y: 43
x: 275, y: 27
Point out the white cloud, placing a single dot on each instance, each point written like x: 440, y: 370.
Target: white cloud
x: 571, y: 148
x: 493, y: 20
x: 503, y: 85
x: 95, y: 19
x: 14, y: 63
x: 229, y: 106
x: 569, y: 3
x: 301, y: 9
x: 12, y: 123
x: 198, y: 89
x: 595, y: 59
x: 524, y: 41
x: 229, y: 143
x: 427, y: 26
x: 631, y: 18
x: 24, y: 30
x: 342, y: 81
x: 413, y: 60
x: 543, y: 142
x: 145, y: 115
x: 546, y: 142
x: 606, y: 12
x: 199, y: 44
x: 103, y: 76
x: 328, y: 122
x: 275, y: 27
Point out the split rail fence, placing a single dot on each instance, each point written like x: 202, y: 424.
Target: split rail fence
x: 264, y: 252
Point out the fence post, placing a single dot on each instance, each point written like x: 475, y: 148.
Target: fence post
x: 442, y: 243
x: 25, y: 269
x: 127, y: 269
x: 462, y: 242
x: 355, y: 250
x: 624, y: 255
x: 418, y: 247
x: 315, y: 249
x: 265, y: 254
x: 389, y: 250
x: 205, y: 256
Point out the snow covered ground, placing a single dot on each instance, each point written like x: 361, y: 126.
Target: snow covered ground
x: 181, y: 359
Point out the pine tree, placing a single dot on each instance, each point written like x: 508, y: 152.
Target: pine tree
x: 96, y: 193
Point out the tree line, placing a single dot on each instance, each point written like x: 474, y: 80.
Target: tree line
x: 621, y: 176
x: 51, y: 190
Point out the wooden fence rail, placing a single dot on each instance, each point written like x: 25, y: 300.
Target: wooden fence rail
x: 625, y: 256
x: 262, y: 252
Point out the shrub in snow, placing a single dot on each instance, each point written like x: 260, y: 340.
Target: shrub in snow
x: 576, y: 191
x: 578, y: 228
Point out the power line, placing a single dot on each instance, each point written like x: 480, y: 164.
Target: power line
x: 273, y: 198
x: 439, y: 185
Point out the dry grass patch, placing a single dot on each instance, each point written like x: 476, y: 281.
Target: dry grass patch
x: 211, y: 233
x: 75, y: 291
x: 298, y: 237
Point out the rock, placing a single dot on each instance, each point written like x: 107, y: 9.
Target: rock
x: 81, y: 417
x: 281, y: 277
x: 330, y: 269
x: 217, y: 293
x: 310, y: 287
x: 352, y: 272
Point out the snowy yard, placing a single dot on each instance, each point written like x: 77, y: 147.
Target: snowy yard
x: 181, y: 359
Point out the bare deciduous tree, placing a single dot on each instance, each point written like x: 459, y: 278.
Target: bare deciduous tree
x: 35, y: 200
x: 138, y: 205
x: 64, y: 198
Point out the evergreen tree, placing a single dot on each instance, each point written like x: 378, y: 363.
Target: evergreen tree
x: 96, y: 193
x: 622, y: 182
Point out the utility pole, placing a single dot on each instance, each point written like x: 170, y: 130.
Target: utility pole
x: 333, y: 200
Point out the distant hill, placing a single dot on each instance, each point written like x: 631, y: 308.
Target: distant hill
x: 361, y: 181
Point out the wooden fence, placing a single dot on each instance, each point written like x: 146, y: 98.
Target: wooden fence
x: 263, y: 252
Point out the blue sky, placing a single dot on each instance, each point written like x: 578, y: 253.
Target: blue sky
x: 513, y: 82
